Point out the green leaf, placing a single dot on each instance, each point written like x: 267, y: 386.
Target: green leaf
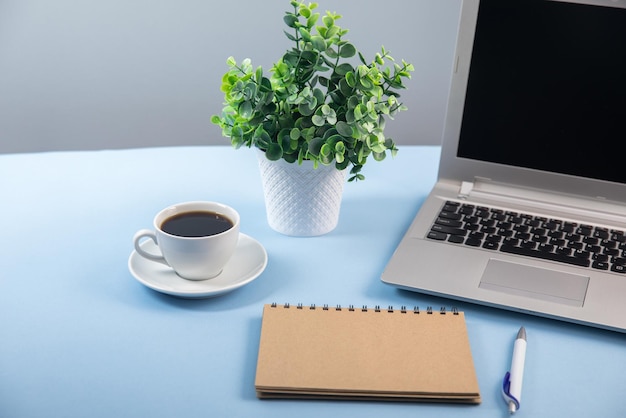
x: 312, y: 20
x: 331, y: 53
x: 357, y: 177
x: 318, y: 43
x: 294, y: 134
x: 319, y: 96
x: 284, y: 139
x: 362, y: 58
x: 274, y: 152
x: 347, y: 51
x: 344, y: 129
x: 307, y: 109
x: 259, y: 74
x: 304, y: 11
x: 261, y: 138
x: 342, y: 165
x: 290, y: 157
x: 245, y: 109
x: 315, y: 145
x: 328, y: 21
x: 326, y: 150
x: 290, y: 36
x: 379, y: 156
x: 366, y: 84
x: 351, y: 79
x: 236, y: 134
x: 332, y: 32
x: 345, y: 88
x: 306, y: 35
x: 318, y: 120
x: 291, y: 20
x: 344, y: 69
x: 334, y: 141
x: 266, y: 85
x: 350, y: 116
x: 358, y: 112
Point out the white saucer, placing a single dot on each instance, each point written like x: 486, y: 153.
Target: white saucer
x: 246, y: 264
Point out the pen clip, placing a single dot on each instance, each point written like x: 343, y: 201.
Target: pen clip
x: 506, y: 390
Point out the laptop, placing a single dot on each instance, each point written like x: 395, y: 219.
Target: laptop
x: 529, y: 209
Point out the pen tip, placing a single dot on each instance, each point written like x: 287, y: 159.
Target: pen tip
x: 521, y: 334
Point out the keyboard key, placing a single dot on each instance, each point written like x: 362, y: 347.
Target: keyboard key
x: 568, y: 227
x: 439, y: 236
x: 601, y: 233
x: 473, y: 242
x: 493, y: 238
x: 582, y: 254
x: 603, y: 258
x: 557, y: 242
x: 619, y: 261
x: 609, y: 244
x: 563, y: 250
x: 545, y: 255
x: 618, y: 268
x: 593, y: 248
x: 498, y: 216
x: 449, y: 222
x: 456, y: 239
x: 600, y: 265
x: 467, y: 210
x: 450, y: 215
x: 482, y: 213
x: 489, y: 245
x: 448, y: 230
x: 618, y: 236
x: 591, y: 240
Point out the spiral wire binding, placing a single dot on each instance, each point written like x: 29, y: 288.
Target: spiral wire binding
x: 364, y: 308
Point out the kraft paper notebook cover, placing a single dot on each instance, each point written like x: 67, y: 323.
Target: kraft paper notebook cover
x: 361, y: 353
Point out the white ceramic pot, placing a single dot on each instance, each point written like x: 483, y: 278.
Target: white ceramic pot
x: 301, y: 200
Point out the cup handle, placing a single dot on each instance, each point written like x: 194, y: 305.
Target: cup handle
x: 146, y: 233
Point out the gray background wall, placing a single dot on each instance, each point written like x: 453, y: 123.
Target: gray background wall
x: 97, y: 74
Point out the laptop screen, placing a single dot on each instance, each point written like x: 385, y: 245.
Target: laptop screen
x: 547, y: 88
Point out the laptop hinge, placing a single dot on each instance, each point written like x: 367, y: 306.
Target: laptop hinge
x: 466, y: 189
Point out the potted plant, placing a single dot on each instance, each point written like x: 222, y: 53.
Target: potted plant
x: 323, y: 104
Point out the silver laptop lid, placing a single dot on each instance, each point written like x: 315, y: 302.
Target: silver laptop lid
x: 544, y: 104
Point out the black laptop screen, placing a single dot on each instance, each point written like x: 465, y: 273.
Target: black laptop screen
x: 547, y: 88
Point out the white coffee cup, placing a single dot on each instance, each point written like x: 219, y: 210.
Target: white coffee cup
x: 192, y: 257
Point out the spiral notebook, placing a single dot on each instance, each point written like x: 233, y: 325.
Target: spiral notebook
x: 365, y: 353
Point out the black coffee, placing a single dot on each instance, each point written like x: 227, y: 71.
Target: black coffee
x: 196, y: 224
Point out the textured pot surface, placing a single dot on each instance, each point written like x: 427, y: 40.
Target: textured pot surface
x: 301, y: 200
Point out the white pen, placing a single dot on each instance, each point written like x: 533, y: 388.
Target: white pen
x: 512, y: 384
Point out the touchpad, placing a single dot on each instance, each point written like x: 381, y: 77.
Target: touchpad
x: 535, y: 282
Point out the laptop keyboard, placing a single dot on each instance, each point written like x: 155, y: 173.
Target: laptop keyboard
x: 533, y: 236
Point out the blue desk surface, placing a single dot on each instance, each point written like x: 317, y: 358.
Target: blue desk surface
x: 80, y: 337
